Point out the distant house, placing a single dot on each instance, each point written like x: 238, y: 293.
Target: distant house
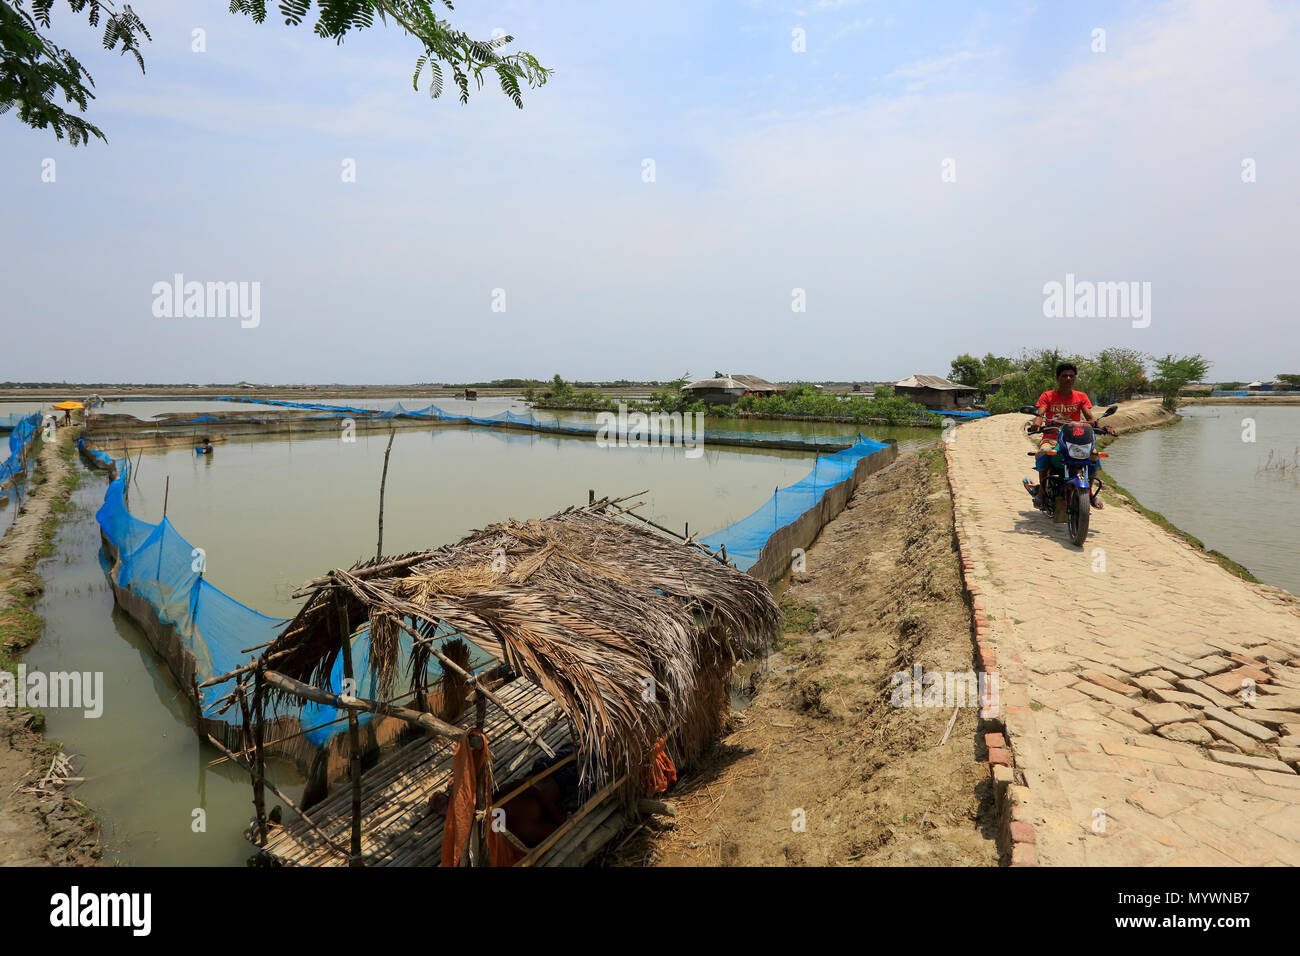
x: 992, y: 385
x: 729, y: 389
x: 935, y: 393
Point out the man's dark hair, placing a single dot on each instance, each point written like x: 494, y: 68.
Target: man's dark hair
x: 1066, y: 366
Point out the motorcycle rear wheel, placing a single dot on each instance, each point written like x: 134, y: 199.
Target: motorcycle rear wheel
x: 1077, y: 511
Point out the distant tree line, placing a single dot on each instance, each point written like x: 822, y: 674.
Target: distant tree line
x: 1111, y: 375
x: 801, y: 399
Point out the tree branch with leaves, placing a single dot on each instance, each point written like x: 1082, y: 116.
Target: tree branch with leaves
x: 35, y: 72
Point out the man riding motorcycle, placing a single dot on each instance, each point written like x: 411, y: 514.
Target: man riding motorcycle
x: 1063, y: 404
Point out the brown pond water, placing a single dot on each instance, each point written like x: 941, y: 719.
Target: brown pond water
x: 271, y: 513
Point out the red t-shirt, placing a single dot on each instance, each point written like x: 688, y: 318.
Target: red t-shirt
x: 1069, y: 410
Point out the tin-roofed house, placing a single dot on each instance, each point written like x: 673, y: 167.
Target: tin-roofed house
x: 935, y: 393
x: 729, y: 389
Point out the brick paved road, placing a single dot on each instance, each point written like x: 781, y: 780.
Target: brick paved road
x: 1125, y: 710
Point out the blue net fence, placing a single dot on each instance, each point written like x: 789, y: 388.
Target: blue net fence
x: 553, y: 425
x: 23, y: 433
x: 157, y: 565
x: 746, y: 539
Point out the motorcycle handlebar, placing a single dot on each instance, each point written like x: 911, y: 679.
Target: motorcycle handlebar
x: 1055, y: 423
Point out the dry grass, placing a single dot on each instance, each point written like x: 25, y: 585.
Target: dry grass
x: 632, y: 633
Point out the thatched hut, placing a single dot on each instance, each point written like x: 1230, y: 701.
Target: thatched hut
x: 590, y: 631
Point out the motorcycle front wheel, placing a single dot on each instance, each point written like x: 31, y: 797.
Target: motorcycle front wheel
x: 1077, y: 513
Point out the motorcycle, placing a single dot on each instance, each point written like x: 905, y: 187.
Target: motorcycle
x: 1068, y: 492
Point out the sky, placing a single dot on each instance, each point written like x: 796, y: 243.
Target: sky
x: 912, y: 174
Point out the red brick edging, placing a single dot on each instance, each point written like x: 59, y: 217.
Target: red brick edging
x: 1015, y: 823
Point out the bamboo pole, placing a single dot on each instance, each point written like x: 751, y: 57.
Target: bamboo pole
x: 246, y: 740
x: 535, y: 779
x: 259, y: 756
x: 383, y: 481
x: 479, y: 830
x: 395, y: 779
x: 287, y: 802
x: 353, y: 704
x: 354, y: 737
x: 571, y: 822
x: 222, y: 678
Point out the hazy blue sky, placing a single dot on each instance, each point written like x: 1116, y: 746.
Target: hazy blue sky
x: 775, y: 170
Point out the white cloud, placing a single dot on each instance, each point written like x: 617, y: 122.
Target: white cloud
x: 927, y: 69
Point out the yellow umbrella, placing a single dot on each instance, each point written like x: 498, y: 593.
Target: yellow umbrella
x: 68, y: 406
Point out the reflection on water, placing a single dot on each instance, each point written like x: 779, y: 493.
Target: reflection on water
x: 1203, y: 477
x: 272, y: 513
x: 757, y: 427
x: 8, y: 508
x: 146, y: 771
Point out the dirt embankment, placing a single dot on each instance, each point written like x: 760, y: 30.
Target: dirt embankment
x: 1136, y: 416
x: 821, y: 743
x: 1245, y: 400
x: 40, y: 823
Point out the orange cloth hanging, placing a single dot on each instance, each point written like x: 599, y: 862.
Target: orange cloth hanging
x: 662, y: 772
x: 462, y: 803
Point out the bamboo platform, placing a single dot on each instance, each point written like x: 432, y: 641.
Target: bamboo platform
x: 397, y: 826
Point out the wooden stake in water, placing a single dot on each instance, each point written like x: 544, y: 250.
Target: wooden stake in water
x: 167, y: 490
x: 354, y: 738
x: 379, y: 549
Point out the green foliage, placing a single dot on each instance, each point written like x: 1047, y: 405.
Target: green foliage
x: 562, y: 394
x: 797, y: 616
x: 1110, y: 375
x: 1113, y: 375
x: 34, y: 70
x: 968, y: 370
x: 1288, y: 379
x: 1039, y: 367
x: 1173, y: 372
x: 998, y: 365
x: 444, y: 45
x: 592, y: 400
x: 560, y: 391
x: 805, y: 400
x: 671, y: 398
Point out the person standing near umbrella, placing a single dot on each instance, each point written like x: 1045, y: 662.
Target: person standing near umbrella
x: 67, y: 408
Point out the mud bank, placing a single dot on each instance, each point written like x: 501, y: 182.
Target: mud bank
x: 822, y: 745
x: 121, y: 435
x: 1245, y: 400
x: 40, y: 822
